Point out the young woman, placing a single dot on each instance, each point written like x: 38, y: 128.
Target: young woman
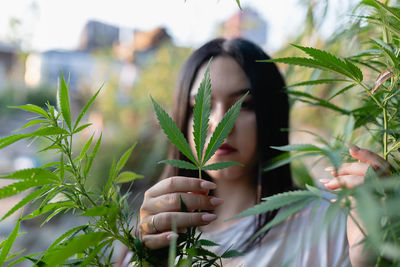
x: 299, y: 240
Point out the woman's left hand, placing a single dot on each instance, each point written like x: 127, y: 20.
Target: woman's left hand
x: 351, y: 175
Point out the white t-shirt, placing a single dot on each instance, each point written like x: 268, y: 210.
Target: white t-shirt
x: 301, y: 240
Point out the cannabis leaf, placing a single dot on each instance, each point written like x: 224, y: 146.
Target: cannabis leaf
x: 201, y: 115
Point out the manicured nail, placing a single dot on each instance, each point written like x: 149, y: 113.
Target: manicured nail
x: 216, y: 201
x: 171, y: 236
x: 329, y: 169
x: 352, y: 147
x: 208, y: 217
x: 208, y: 185
x: 324, y: 181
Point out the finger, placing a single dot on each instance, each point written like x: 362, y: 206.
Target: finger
x: 157, y: 241
x: 162, y: 222
x: 172, y: 202
x: 369, y: 157
x: 355, y: 168
x: 347, y: 181
x: 179, y: 184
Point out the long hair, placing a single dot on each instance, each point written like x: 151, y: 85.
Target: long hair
x: 271, y: 108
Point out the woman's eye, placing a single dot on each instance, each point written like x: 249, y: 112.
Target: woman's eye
x: 248, y: 105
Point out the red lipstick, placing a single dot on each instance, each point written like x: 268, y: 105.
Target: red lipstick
x: 225, y: 149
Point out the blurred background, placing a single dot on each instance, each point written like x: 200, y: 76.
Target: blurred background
x: 133, y: 49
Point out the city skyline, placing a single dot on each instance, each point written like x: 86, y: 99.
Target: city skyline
x: 52, y: 25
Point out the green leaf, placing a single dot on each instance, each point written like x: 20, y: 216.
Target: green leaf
x: 285, y: 158
x: 370, y: 212
x: 60, y: 254
x: 221, y: 165
x: 317, y: 101
x: 201, y: 113
x: 344, y: 67
x: 82, y: 127
x: 124, y: 158
x: 68, y: 233
x: 207, y: 243
x: 183, y: 205
x: 345, y: 89
x: 277, y: 201
x: 231, y: 254
x: 25, y: 201
x: 31, y: 123
x: 8, y: 243
x: 172, y: 131
x: 33, y: 109
x: 180, y: 164
x: 283, y: 215
x: 297, y: 147
x: 238, y: 3
x: 63, y: 101
x: 223, y: 129
x: 88, y: 163
x: 16, y: 188
x: 14, y: 255
x: 321, y: 81
x: 30, y: 174
x: 8, y: 140
x: 128, y: 176
x: 49, y: 208
x: 96, y: 211
x: 386, y: 49
x: 93, y: 253
x: 301, y: 61
x: 86, y: 107
x: 316, y: 191
x: 85, y: 148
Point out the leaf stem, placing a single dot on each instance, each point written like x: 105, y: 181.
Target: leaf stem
x: 357, y: 224
x: 370, y: 94
x: 385, y: 135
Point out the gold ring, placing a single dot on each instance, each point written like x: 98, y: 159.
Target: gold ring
x: 152, y: 223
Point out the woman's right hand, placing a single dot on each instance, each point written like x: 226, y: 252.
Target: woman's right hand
x: 161, y: 208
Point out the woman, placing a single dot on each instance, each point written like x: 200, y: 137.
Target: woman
x: 296, y: 242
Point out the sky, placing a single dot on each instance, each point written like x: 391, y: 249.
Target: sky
x: 56, y: 24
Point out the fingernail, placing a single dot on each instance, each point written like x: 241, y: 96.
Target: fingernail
x: 324, y: 181
x: 208, y: 217
x: 207, y: 185
x: 352, y: 147
x: 216, y: 201
x: 329, y: 169
x: 171, y: 236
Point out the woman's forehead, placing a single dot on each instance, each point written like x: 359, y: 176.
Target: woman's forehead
x: 227, y: 76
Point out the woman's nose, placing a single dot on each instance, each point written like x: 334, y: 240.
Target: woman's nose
x: 217, y: 113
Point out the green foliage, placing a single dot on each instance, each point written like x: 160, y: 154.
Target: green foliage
x: 60, y: 187
x: 189, y: 246
x: 201, y: 114
x: 377, y: 114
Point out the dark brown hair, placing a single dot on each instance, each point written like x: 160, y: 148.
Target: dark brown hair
x: 270, y: 104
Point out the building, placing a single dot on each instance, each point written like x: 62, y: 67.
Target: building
x: 98, y: 35
x: 247, y: 24
x: 45, y: 68
x: 8, y: 56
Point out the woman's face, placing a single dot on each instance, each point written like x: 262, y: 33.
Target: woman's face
x: 228, y: 84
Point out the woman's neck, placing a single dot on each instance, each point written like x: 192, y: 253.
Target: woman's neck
x: 238, y: 196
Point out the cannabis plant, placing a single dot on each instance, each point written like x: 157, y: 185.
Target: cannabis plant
x: 59, y: 187
x: 189, y: 248
x: 378, y: 115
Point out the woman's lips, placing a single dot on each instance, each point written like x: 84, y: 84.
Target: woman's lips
x: 225, y: 149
